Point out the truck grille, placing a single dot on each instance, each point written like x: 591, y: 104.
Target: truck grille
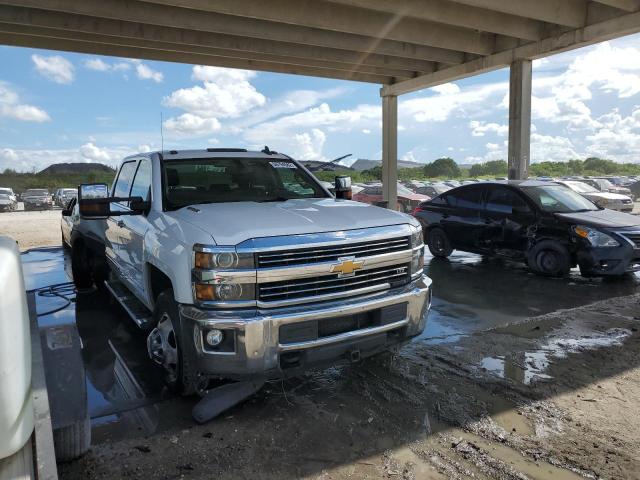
x: 284, y: 258
x: 384, y: 277
x: 634, y: 237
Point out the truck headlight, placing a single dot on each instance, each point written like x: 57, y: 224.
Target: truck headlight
x: 224, y: 292
x: 595, y: 237
x: 221, y: 258
x: 416, y: 237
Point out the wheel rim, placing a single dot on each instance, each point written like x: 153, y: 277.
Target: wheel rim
x: 163, y: 348
x: 437, y: 242
x: 548, y: 261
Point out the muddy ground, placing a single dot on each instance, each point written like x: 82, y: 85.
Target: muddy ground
x: 516, y: 377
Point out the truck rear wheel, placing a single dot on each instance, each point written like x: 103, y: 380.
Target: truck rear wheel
x: 167, y: 348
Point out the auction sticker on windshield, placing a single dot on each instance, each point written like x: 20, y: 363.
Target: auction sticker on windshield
x: 283, y: 165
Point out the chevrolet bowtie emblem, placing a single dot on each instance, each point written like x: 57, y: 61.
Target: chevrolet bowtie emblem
x: 346, y: 267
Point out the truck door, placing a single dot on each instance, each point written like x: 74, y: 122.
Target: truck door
x: 136, y: 227
x: 114, y: 234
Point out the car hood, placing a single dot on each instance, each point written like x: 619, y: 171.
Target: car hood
x: 609, y: 195
x: 233, y: 223
x: 602, y: 218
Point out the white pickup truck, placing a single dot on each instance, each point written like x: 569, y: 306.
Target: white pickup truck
x: 242, y: 265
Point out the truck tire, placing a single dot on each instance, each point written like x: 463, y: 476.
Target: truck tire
x: 549, y: 258
x: 438, y: 243
x: 170, y: 349
x: 72, y: 441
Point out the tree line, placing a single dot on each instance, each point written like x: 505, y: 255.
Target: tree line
x: 20, y: 182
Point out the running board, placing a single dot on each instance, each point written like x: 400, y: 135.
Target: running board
x: 134, y: 307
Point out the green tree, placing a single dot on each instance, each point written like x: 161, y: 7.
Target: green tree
x: 442, y: 167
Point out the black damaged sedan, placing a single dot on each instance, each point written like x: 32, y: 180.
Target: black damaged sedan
x: 545, y: 224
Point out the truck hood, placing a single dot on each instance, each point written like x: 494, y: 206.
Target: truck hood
x: 233, y: 223
x: 602, y: 218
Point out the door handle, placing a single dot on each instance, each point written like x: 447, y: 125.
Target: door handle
x: 120, y: 223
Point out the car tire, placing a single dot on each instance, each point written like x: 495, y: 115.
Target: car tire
x: 80, y: 267
x: 438, y: 243
x: 549, y: 258
x: 167, y: 347
x: 72, y: 441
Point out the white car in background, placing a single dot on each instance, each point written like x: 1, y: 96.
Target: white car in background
x: 612, y: 201
x: 8, y: 200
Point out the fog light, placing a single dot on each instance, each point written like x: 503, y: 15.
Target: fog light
x: 228, y: 291
x: 214, y: 337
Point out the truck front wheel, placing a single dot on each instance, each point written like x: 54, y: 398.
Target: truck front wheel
x: 168, y: 349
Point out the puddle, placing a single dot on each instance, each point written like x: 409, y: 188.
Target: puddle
x: 529, y: 367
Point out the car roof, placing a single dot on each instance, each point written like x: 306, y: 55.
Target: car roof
x: 210, y: 153
x: 514, y: 183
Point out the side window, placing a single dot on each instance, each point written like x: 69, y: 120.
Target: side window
x: 503, y: 200
x: 465, y: 198
x: 142, y: 182
x: 123, y: 183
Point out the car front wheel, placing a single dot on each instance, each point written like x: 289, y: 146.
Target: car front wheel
x: 438, y: 243
x: 549, y: 258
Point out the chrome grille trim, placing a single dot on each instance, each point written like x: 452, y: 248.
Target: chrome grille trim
x: 631, y: 237
x: 291, y: 292
x: 329, y: 253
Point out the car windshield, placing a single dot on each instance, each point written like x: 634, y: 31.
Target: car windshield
x: 402, y: 190
x: 5, y: 191
x: 69, y: 191
x: 220, y: 180
x: 36, y: 193
x: 440, y: 188
x: 581, y: 187
x: 604, y: 183
x: 558, y: 199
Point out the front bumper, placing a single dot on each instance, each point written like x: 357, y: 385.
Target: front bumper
x: 610, y: 260
x: 257, y: 349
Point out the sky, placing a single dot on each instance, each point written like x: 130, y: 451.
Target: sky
x: 64, y: 107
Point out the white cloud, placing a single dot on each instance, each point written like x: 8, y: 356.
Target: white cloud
x: 480, y: 129
x: 30, y: 159
x: 226, y: 76
x: 11, y: 107
x: 618, y: 138
x: 308, y: 145
x: 145, y: 72
x: 190, y: 125
x: 552, y: 148
x: 97, y: 65
x: 55, y: 68
x: 446, y: 89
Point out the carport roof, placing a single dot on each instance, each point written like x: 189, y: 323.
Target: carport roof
x: 405, y: 45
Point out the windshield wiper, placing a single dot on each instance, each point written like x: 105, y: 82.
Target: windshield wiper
x: 275, y: 199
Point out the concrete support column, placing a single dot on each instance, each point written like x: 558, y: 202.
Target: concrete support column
x: 519, y: 119
x: 390, y: 150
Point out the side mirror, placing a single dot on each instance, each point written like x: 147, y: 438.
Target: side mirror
x: 343, y: 187
x: 93, y: 200
x: 139, y: 206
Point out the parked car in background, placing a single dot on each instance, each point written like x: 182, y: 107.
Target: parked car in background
x: 612, y: 201
x: 407, y: 200
x: 64, y: 196
x: 8, y: 200
x: 433, y: 190
x: 37, y: 199
x: 545, y: 224
x: 604, y: 185
x: 635, y: 190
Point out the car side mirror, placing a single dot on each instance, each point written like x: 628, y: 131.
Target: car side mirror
x: 343, y: 187
x: 66, y: 212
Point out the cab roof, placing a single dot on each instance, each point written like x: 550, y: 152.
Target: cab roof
x: 212, y: 153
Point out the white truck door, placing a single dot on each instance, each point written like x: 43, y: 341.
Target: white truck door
x: 115, y: 235
x: 136, y: 227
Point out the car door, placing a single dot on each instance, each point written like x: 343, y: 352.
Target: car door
x: 134, y: 229
x: 115, y: 236
x: 461, y: 216
x: 507, y: 215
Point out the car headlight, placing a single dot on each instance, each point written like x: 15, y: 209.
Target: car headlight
x: 221, y: 258
x: 416, y: 237
x: 595, y: 237
x: 224, y: 292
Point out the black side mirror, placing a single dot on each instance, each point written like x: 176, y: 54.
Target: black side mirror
x: 139, y: 206
x: 343, y: 187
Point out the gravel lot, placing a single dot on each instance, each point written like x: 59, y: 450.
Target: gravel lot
x: 32, y: 229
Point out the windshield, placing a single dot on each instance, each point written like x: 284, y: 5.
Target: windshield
x: 36, y: 193
x: 581, y: 187
x: 558, y: 199
x: 604, y: 183
x: 402, y: 190
x: 5, y: 191
x: 219, y: 180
